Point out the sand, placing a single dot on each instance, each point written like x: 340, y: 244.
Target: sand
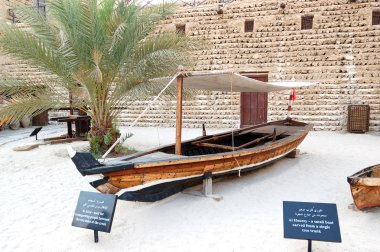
x: 39, y: 190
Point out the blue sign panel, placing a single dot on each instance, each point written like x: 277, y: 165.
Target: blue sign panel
x: 311, y: 221
x: 95, y: 211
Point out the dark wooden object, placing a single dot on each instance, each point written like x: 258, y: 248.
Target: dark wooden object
x: 41, y: 119
x: 307, y: 22
x: 82, y: 124
x: 254, y: 105
x: 178, y: 135
x: 358, y: 118
x: 376, y: 17
x: 248, y: 26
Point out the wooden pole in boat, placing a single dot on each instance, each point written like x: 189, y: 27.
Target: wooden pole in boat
x: 71, y: 103
x: 178, y: 135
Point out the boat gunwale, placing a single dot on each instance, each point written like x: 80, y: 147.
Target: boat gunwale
x: 132, y: 156
x: 307, y: 128
x: 223, y: 155
x: 358, y: 179
x: 217, y: 157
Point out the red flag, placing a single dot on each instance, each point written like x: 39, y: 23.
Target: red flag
x: 293, y: 94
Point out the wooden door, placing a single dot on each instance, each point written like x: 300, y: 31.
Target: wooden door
x: 254, y: 105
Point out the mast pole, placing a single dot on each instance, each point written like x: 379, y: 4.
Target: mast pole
x: 178, y: 135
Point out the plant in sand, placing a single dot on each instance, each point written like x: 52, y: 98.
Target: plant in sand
x: 108, y: 49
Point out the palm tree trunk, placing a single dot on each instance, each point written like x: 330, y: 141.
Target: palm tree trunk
x: 102, y: 133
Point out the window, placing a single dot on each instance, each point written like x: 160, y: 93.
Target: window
x: 40, y: 6
x: 248, y: 26
x: 307, y: 22
x: 180, y: 28
x: 375, y: 17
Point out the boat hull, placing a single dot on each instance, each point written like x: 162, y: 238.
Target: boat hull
x: 152, y: 173
x: 164, y: 172
x: 365, y: 187
x: 254, y: 147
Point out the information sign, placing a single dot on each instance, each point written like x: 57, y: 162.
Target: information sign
x: 95, y: 211
x: 311, y: 221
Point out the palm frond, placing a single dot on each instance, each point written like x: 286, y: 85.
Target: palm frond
x: 38, y: 25
x: 27, y: 47
x: 108, y: 48
x: 17, y: 107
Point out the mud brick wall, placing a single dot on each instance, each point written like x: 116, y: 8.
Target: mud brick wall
x: 12, y: 67
x: 341, y: 52
x: 7, y: 5
x: 217, y: 110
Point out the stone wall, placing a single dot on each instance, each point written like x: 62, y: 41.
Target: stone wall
x: 6, y: 64
x: 17, y: 68
x: 7, y: 5
x: 341, y: 52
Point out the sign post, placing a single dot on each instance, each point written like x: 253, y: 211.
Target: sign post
x: 311, y: 221
x: 95, y: 211
x: 35, y: 132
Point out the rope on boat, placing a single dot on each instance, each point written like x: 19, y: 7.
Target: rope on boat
x: 232, y: 133
x: 123, y: 137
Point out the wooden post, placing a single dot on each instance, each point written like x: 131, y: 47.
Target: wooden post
x: 178, y: 135
x: 207, y: 184
x: 71, y: 103
x: 294, y: 153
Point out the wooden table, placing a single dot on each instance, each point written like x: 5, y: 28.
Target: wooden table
x: 82, y: 124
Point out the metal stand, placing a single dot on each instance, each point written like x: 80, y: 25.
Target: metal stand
x: 203, y: 129
x: 96, y: 236
x: 207, y: 183
x: 308, y: 245
x: 35, y: 132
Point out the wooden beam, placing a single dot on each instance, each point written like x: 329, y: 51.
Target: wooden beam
x: 71, y: 103
x: 293, y: 154
x: 257, y: 140
x: 219, y: 146
x: 178, y: 135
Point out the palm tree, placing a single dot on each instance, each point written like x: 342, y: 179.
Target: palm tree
x: 107, y: 48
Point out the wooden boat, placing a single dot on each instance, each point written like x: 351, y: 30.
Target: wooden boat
x: 161, y: 172
x: 365, y: 187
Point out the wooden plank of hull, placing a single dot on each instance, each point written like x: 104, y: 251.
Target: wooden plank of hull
x: 366, y: 196
x: 197, y: 167
x: 365, y: 181
x: 107, y: 188
x: 365, y: 187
